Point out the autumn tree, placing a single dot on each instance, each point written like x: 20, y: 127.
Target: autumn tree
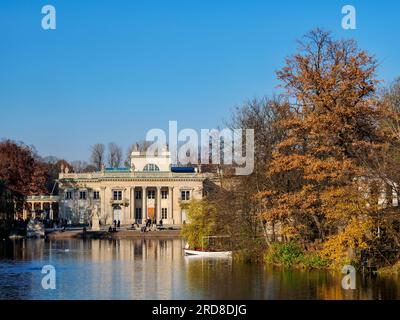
x: 317, y: 189
x: 21, y: 173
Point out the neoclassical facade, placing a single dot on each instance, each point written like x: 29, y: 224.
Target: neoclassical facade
x: 150, y: 189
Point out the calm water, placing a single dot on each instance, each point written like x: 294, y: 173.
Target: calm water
x: 157, y: 269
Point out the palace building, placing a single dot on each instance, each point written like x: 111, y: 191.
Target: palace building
x: 150, y: 189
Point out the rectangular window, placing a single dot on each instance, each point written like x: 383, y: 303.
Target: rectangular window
x: 151, y: 194
x: 117, y: 195
x: 82, y: 195
x: 68, y: 195
x: 138, y: 195
x: 138, y: 213
x: 185, y: 195
x: 164, y: 194
x: 164, y: 213
x: 96, y: 195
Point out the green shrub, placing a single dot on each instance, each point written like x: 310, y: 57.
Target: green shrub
x: 314, y: 261
x: 291, y: 254
x: 286, y: 254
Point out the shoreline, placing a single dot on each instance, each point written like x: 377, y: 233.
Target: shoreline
x: 121, y: 234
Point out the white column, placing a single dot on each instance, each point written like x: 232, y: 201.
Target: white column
x: 171, y: 205
x: 157, y: 215
x: 144, y: 204
x: 108, y: 206
x: 103, y: 203
x: 51, y: 211
x: 123, y: 218
x: 132, y: 204
x: 33, y: 210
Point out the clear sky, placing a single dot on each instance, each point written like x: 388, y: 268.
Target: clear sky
x: 114, y: 69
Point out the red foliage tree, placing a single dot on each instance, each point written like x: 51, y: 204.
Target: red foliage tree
x: 19, y: 171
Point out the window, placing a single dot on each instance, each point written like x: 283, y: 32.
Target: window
x: 138, y: 213
x: 185, y: 195
x: 138, y: 195
x: 96, y: 195
x: 151, y: 167
x: 164, y: 194
x: 68, y: 195
x: 164, y: 213
x: 151, y: 194
x: 117, y: 195
x: 82, y: 195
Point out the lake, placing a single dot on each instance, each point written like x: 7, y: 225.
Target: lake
x: 158, y: 269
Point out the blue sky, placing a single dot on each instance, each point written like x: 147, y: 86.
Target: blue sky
x: 112, y: 70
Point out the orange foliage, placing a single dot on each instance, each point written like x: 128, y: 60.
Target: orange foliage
x: 331, y: 132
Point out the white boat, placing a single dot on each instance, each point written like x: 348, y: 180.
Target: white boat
x: 209, y: 254
x: 15, y: 237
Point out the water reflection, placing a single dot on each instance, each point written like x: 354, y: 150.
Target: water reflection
x: 157, y: 269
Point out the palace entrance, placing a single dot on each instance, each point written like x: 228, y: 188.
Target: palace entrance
x: 117, y: 213
x: 150, y: 213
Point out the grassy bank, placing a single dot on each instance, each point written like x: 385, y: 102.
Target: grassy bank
x: 291, y: 254
x: 288, y: 255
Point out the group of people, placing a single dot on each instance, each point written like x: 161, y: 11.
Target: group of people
x: 149, y: 224
x: 147, y: 227
x: 116, y: 224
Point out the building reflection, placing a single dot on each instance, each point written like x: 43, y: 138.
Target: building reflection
x: 131, y: 269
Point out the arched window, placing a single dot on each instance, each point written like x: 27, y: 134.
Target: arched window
x: 151, y: 167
